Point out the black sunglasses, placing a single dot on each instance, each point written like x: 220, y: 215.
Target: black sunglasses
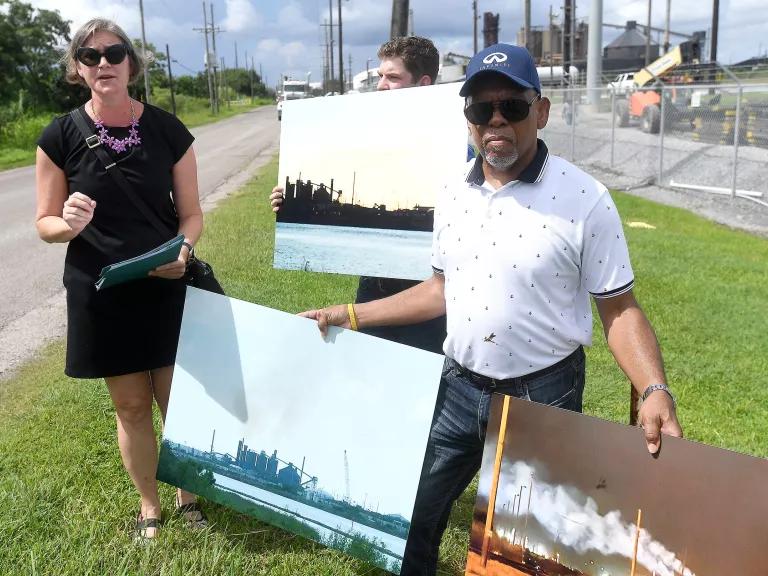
x: 513, y: 109
x: 114, y: 54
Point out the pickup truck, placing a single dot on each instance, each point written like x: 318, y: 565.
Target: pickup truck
x: 623, y: 83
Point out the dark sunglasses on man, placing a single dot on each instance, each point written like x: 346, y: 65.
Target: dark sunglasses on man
x: 513, y: 110
x: 114, y: 54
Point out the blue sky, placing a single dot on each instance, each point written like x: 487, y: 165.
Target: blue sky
x: 286, y: 36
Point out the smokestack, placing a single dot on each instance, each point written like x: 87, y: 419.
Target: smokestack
x: 490, y: 29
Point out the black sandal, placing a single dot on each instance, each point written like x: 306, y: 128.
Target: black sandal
x: 142, y: 525
x: 192, y: 514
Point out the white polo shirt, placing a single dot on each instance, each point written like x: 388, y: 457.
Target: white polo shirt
x: 520, y: 263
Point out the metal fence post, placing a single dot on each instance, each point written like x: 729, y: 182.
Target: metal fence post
x: 613, y: 123
x: 662, y: 127
x: 573, y: 125
x: 736, y: 130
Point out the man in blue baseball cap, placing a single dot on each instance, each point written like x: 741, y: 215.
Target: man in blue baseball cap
x: 519, y: 249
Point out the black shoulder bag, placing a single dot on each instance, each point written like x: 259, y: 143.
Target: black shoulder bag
x: 199, y: 274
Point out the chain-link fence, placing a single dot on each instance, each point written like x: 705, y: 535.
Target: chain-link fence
x: 712, y: 138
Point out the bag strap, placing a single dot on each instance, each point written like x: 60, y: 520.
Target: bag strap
x: 93, y: 142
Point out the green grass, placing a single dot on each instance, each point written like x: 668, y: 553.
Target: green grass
x: 67, y: 506
x: 197, y: 111
x: 18, y: 137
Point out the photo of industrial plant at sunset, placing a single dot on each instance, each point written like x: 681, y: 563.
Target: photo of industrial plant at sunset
x: 563, y: 494
x: 306, y: 202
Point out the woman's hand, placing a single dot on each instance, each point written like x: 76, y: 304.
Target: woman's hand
x: 78, y: 212
x: 173, y: 270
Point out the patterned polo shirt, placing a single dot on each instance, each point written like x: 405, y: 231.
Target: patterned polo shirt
x: 520, y: 264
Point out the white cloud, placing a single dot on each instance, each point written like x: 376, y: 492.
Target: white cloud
x: 241, y: 16
x: 292, y: 21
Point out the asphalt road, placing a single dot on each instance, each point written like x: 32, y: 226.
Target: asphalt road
x: 31, y: 293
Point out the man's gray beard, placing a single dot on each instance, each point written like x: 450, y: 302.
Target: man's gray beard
x: 501, y: 162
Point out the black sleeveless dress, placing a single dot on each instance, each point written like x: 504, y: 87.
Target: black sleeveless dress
x: 135, y: 326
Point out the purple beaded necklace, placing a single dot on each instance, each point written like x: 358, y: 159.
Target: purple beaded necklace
x: 118, y: 144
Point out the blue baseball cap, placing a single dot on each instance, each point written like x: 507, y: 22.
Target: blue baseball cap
x: 511, y: 61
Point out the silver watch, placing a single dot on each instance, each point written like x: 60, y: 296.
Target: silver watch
x: 653, y: 387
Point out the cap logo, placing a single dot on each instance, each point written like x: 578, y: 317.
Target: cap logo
x: 495, y: 57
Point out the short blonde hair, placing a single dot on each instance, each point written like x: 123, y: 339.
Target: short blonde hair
x: 137, y: 61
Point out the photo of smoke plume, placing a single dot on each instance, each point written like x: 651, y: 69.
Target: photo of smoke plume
x: 565, y: 494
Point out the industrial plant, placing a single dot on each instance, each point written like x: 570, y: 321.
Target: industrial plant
x: 308, y: 203
x: 269, y: 472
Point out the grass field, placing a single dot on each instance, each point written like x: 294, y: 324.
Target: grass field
x: 18, y: 139
x: 67, y: 506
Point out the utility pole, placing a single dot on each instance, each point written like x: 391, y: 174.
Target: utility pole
x: 144, y: 48
x: 474, y: 25
x: 225, y: 92
x: 330, y: 16
x: 216, y: 85
x: 236, y: 66
x: 648, y: 36
x: 399, y: 25
x: 325, y: 55
x: 170, y: 79
x: 715, y: 24
x: 251, y: 74
x: 666, y: 27
x: 211, y: 95
x: 341, y: 58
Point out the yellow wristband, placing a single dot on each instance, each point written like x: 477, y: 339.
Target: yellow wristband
x: 352, y: 317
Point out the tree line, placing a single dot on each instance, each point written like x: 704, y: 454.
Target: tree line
x: 32, y: 42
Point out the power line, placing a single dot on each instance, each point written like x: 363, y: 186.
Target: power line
x: 175, y: 61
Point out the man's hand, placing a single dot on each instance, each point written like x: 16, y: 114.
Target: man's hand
x: 78, y: 211
x: 657, y: 416
x: 276, y: 198
x: 332, y: 316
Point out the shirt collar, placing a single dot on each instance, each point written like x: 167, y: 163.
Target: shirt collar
x: 530, y: 175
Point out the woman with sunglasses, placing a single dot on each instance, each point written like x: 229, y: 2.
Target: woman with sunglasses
x: 126, y: 334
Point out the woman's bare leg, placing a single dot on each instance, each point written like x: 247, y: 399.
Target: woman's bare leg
x: 132, y: 397
x: 161, y: 384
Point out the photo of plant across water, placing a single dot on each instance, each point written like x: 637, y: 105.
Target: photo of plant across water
x: 363, y: 201
x: 316, y: 436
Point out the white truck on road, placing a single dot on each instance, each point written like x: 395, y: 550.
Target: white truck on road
x: 291, y: 90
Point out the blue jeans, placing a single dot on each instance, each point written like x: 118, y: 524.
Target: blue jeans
x: 455, y: 447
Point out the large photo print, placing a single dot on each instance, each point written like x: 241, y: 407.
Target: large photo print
x: 324, y: 438
x: 361, y: 174
x: 570, y: 495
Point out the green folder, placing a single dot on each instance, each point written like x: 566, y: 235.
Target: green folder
x: 139, y: 266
